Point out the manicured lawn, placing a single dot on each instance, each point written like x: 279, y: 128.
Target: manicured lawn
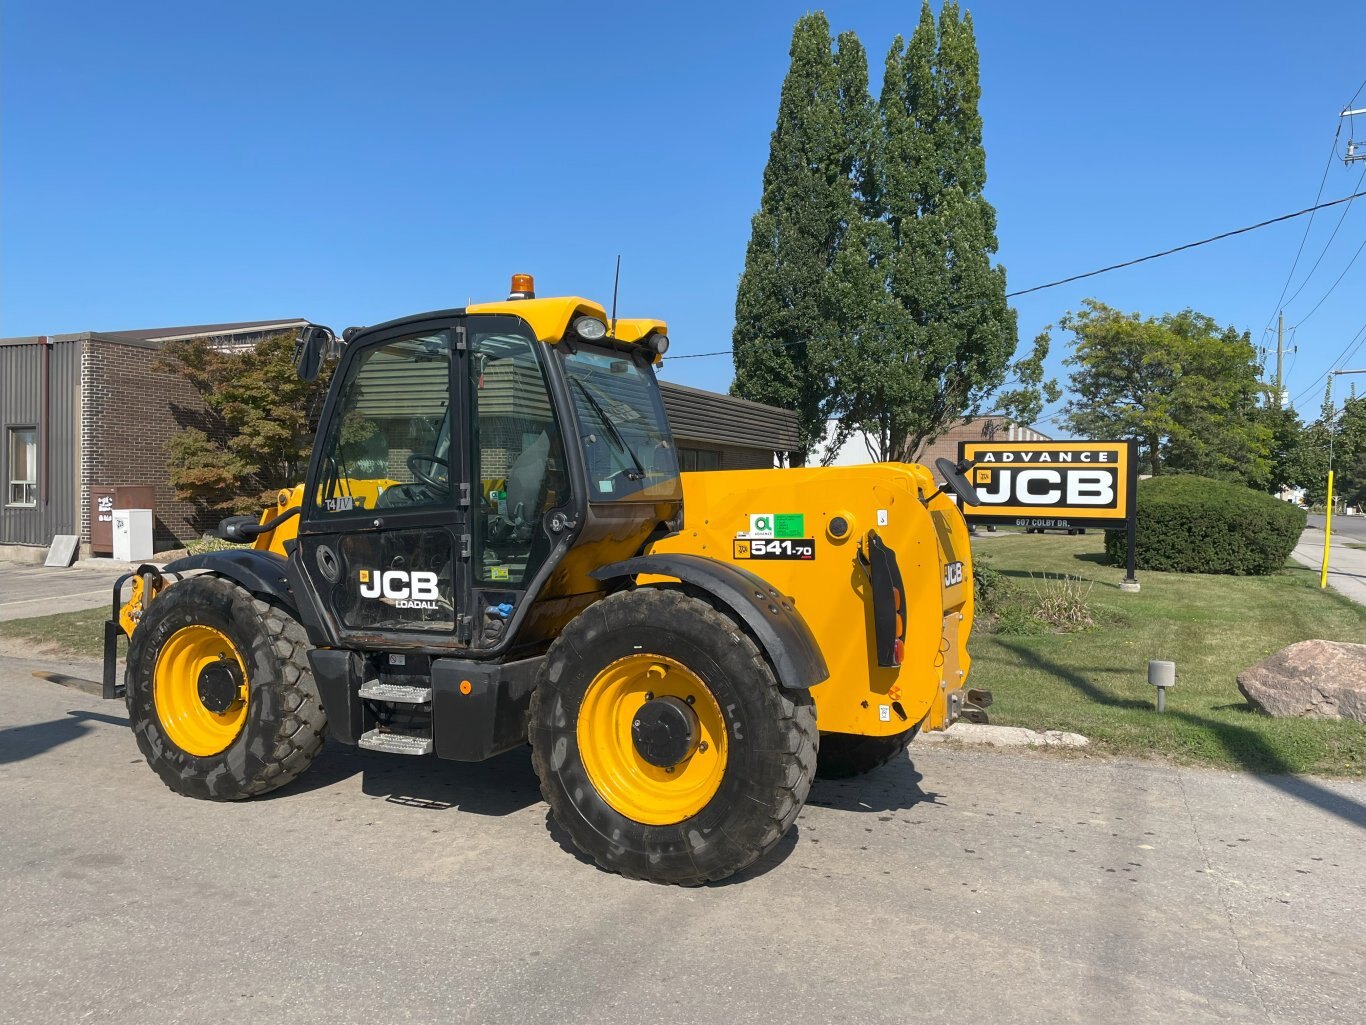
x: 1095, y: 683
x: 66, y: 633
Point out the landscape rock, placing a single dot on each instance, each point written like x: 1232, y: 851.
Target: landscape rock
x: 1006, y: 736
x: 1311, y: 679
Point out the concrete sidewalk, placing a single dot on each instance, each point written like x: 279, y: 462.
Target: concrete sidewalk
x: 1346, y: 565
x: 27, y: 591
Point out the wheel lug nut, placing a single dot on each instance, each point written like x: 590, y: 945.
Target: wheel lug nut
x: 702, y: 747
x: 691, y: 699
x: 669, y: 769
x: 649, y: 695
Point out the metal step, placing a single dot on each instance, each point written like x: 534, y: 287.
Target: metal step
x: 395, y: 693
x: 396, y: 743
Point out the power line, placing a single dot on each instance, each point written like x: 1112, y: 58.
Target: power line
x: 1332, y: 155
x: 1308, y: 277
x: 1101, y: 270
x: 1334, y: 284
x: 1347, y: 353
x: 1188, y: 245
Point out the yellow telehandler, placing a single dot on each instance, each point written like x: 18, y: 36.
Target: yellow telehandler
x: 494, y: 546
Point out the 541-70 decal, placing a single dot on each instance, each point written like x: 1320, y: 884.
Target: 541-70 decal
x: 796, y: 548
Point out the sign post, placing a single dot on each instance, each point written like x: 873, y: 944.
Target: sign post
x: 1130, y: 581
x: 1057, y: 485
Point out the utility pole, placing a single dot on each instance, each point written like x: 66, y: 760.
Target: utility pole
x: 1280, y: 356
x: 1278, y: 399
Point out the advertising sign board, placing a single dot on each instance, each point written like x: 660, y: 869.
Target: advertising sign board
x: 1051, y: 484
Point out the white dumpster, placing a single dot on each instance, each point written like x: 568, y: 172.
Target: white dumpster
x: 132, y: 535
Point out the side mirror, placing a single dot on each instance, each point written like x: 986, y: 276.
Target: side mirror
x: 315, y: 342
x: 955, y: 479
x: 238, y: 529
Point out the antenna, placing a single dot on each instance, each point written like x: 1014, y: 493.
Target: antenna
x: 616, y: 280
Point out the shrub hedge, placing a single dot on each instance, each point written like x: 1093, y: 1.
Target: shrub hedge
x: 1190, y: 524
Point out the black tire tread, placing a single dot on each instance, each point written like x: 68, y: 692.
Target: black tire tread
x: 301, y: 730
x: 846, y: 755
x: 300, y: 737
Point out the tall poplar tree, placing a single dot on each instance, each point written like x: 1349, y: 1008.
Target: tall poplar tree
x: 869, y: 296
x: 944, y: 333
x: 784, y: 320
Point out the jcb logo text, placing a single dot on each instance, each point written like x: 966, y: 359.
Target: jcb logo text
x: 1038, y: 486
x: 406, y: 590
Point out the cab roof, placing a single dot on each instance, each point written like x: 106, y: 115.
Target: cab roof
x: 550, y: 318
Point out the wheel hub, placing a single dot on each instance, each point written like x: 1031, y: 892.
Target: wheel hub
x: 664, y: 731
x: 220, y: 686
x: 652, y: 738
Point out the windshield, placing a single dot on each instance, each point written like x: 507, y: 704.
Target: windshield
x: 626, y: 440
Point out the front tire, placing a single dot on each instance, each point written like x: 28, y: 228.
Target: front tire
x: 220, y: 694
x: 664, y: 744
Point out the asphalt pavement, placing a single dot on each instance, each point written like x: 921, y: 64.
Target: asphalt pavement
x: 1348, y: 528
x: 1346, y: 561
x: 955, y: 886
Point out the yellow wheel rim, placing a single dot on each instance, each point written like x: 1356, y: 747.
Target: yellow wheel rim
x: 650, y: 794
x: 190, y: 724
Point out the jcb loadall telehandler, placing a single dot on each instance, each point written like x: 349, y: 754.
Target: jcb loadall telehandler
x: 494, y: 545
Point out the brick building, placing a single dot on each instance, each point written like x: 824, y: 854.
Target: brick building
x: 92, y: 410
x: 992, y: 427
x: 88, y: 410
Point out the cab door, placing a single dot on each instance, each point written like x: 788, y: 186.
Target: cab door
x: 384, y: 536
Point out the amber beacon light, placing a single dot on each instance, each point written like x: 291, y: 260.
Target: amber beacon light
x: 523, y: 287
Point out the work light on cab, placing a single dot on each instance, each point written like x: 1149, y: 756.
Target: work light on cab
x: 590, y: 329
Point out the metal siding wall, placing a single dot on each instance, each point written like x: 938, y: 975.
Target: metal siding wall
x: 21, y: 400
x: 712, y: 419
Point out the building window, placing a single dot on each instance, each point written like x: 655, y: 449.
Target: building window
x: 693, y: 459
x: 23, y: 466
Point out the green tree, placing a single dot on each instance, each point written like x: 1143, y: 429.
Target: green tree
x: 1123, y: 379
x: 869, y: 296
x: 1219, y: 431
x: 1291, y: 463
x: 258, y: 432
x: 1312, y: 456
x: 1028, y: 391
x: 784, y: 317
x: 1349, y: 452
x: 1184, y: 388
x: 938, y: 333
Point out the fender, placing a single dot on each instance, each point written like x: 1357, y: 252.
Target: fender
x: 780, y: 629
x: 261, y: 573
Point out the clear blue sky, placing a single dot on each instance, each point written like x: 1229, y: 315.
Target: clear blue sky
x: 174, y: 163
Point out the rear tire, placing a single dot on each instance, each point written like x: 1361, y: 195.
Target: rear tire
x: 845, y: 755
x: 279, y: 724
x: 730, y: 802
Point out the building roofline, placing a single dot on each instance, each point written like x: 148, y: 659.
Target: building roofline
x: 155, y: 337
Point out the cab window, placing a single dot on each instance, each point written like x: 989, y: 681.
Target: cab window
x: 626, y: 441
x: 518, y: 455
x: 388, y: 445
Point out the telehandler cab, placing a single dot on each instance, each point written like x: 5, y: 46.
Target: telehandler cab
x: 491, y: 547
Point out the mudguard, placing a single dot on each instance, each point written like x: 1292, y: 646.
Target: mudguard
x: 261, y: 573
x: 781, y: 631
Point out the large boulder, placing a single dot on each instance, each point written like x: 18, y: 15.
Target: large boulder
x: 1311, y: 679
